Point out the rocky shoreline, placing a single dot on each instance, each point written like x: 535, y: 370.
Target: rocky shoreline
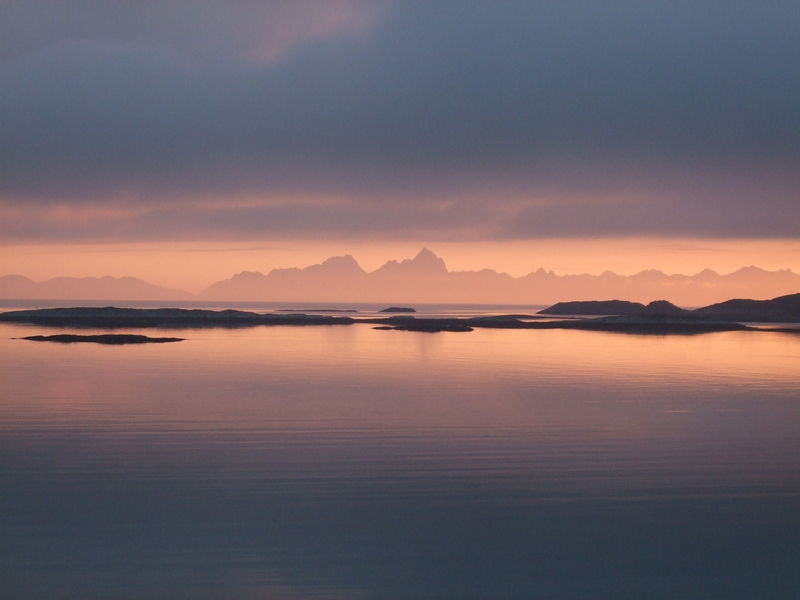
x: 658, y: 317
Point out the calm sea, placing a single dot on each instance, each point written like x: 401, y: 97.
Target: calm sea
x: 342, y: 462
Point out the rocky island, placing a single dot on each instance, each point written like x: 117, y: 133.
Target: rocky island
x: 107, y: 338
x: 594, y: 307
x: 113, y: 317
x: 657, y: 317
x: 783, y: 309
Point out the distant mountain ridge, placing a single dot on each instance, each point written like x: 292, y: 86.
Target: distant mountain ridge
x: 425, y: 279
x: 87, y: 288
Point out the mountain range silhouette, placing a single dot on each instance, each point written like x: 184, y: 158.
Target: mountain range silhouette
x: 87, y: 288
x: 426, y: 279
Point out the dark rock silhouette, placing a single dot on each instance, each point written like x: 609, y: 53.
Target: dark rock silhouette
x: 497, y: 322
x: 432, y: 325
x: 107, y: 338
x: 398, y: 309
x: 594, y: 307
x: 777, y: 310
x: 504, y: 318
x: 781, y: 309
x: 317, y: 310
x: 111, y: 317
x: 662, y: 309
x: 657, y: 317
x: 622, y: 324
x: 638, y: 324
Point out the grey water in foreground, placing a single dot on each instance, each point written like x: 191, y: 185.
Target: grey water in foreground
x: 342, y: 462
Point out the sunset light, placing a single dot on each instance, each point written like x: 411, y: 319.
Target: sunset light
x: 399, y: 300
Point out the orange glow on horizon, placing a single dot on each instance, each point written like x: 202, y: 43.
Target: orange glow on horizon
x: 193, y: 266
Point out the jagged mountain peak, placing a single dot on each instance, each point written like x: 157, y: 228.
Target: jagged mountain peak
x: 425, y: 254
x: 707, y: 273
x: 649, y: 273
x: 429, y: 259
x: 248, y: 275
x: 750, y: 270
x: 346, y: 261
x: 339, y: 266
x: 425, y: 262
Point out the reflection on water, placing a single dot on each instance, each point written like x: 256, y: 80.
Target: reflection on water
x: 345, y: 462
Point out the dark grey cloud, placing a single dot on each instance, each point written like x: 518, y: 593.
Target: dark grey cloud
x: 207, y: 29
x: 521, y: 118
x: 285, y: 220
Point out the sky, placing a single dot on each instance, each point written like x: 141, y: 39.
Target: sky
x: 179, y: 140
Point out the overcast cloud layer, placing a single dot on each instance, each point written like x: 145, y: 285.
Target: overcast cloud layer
x: 450, y: 120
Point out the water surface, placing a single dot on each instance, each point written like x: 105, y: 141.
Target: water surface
x: 345, y: 462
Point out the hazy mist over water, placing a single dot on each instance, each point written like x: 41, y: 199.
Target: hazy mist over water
x: 343, y: 462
